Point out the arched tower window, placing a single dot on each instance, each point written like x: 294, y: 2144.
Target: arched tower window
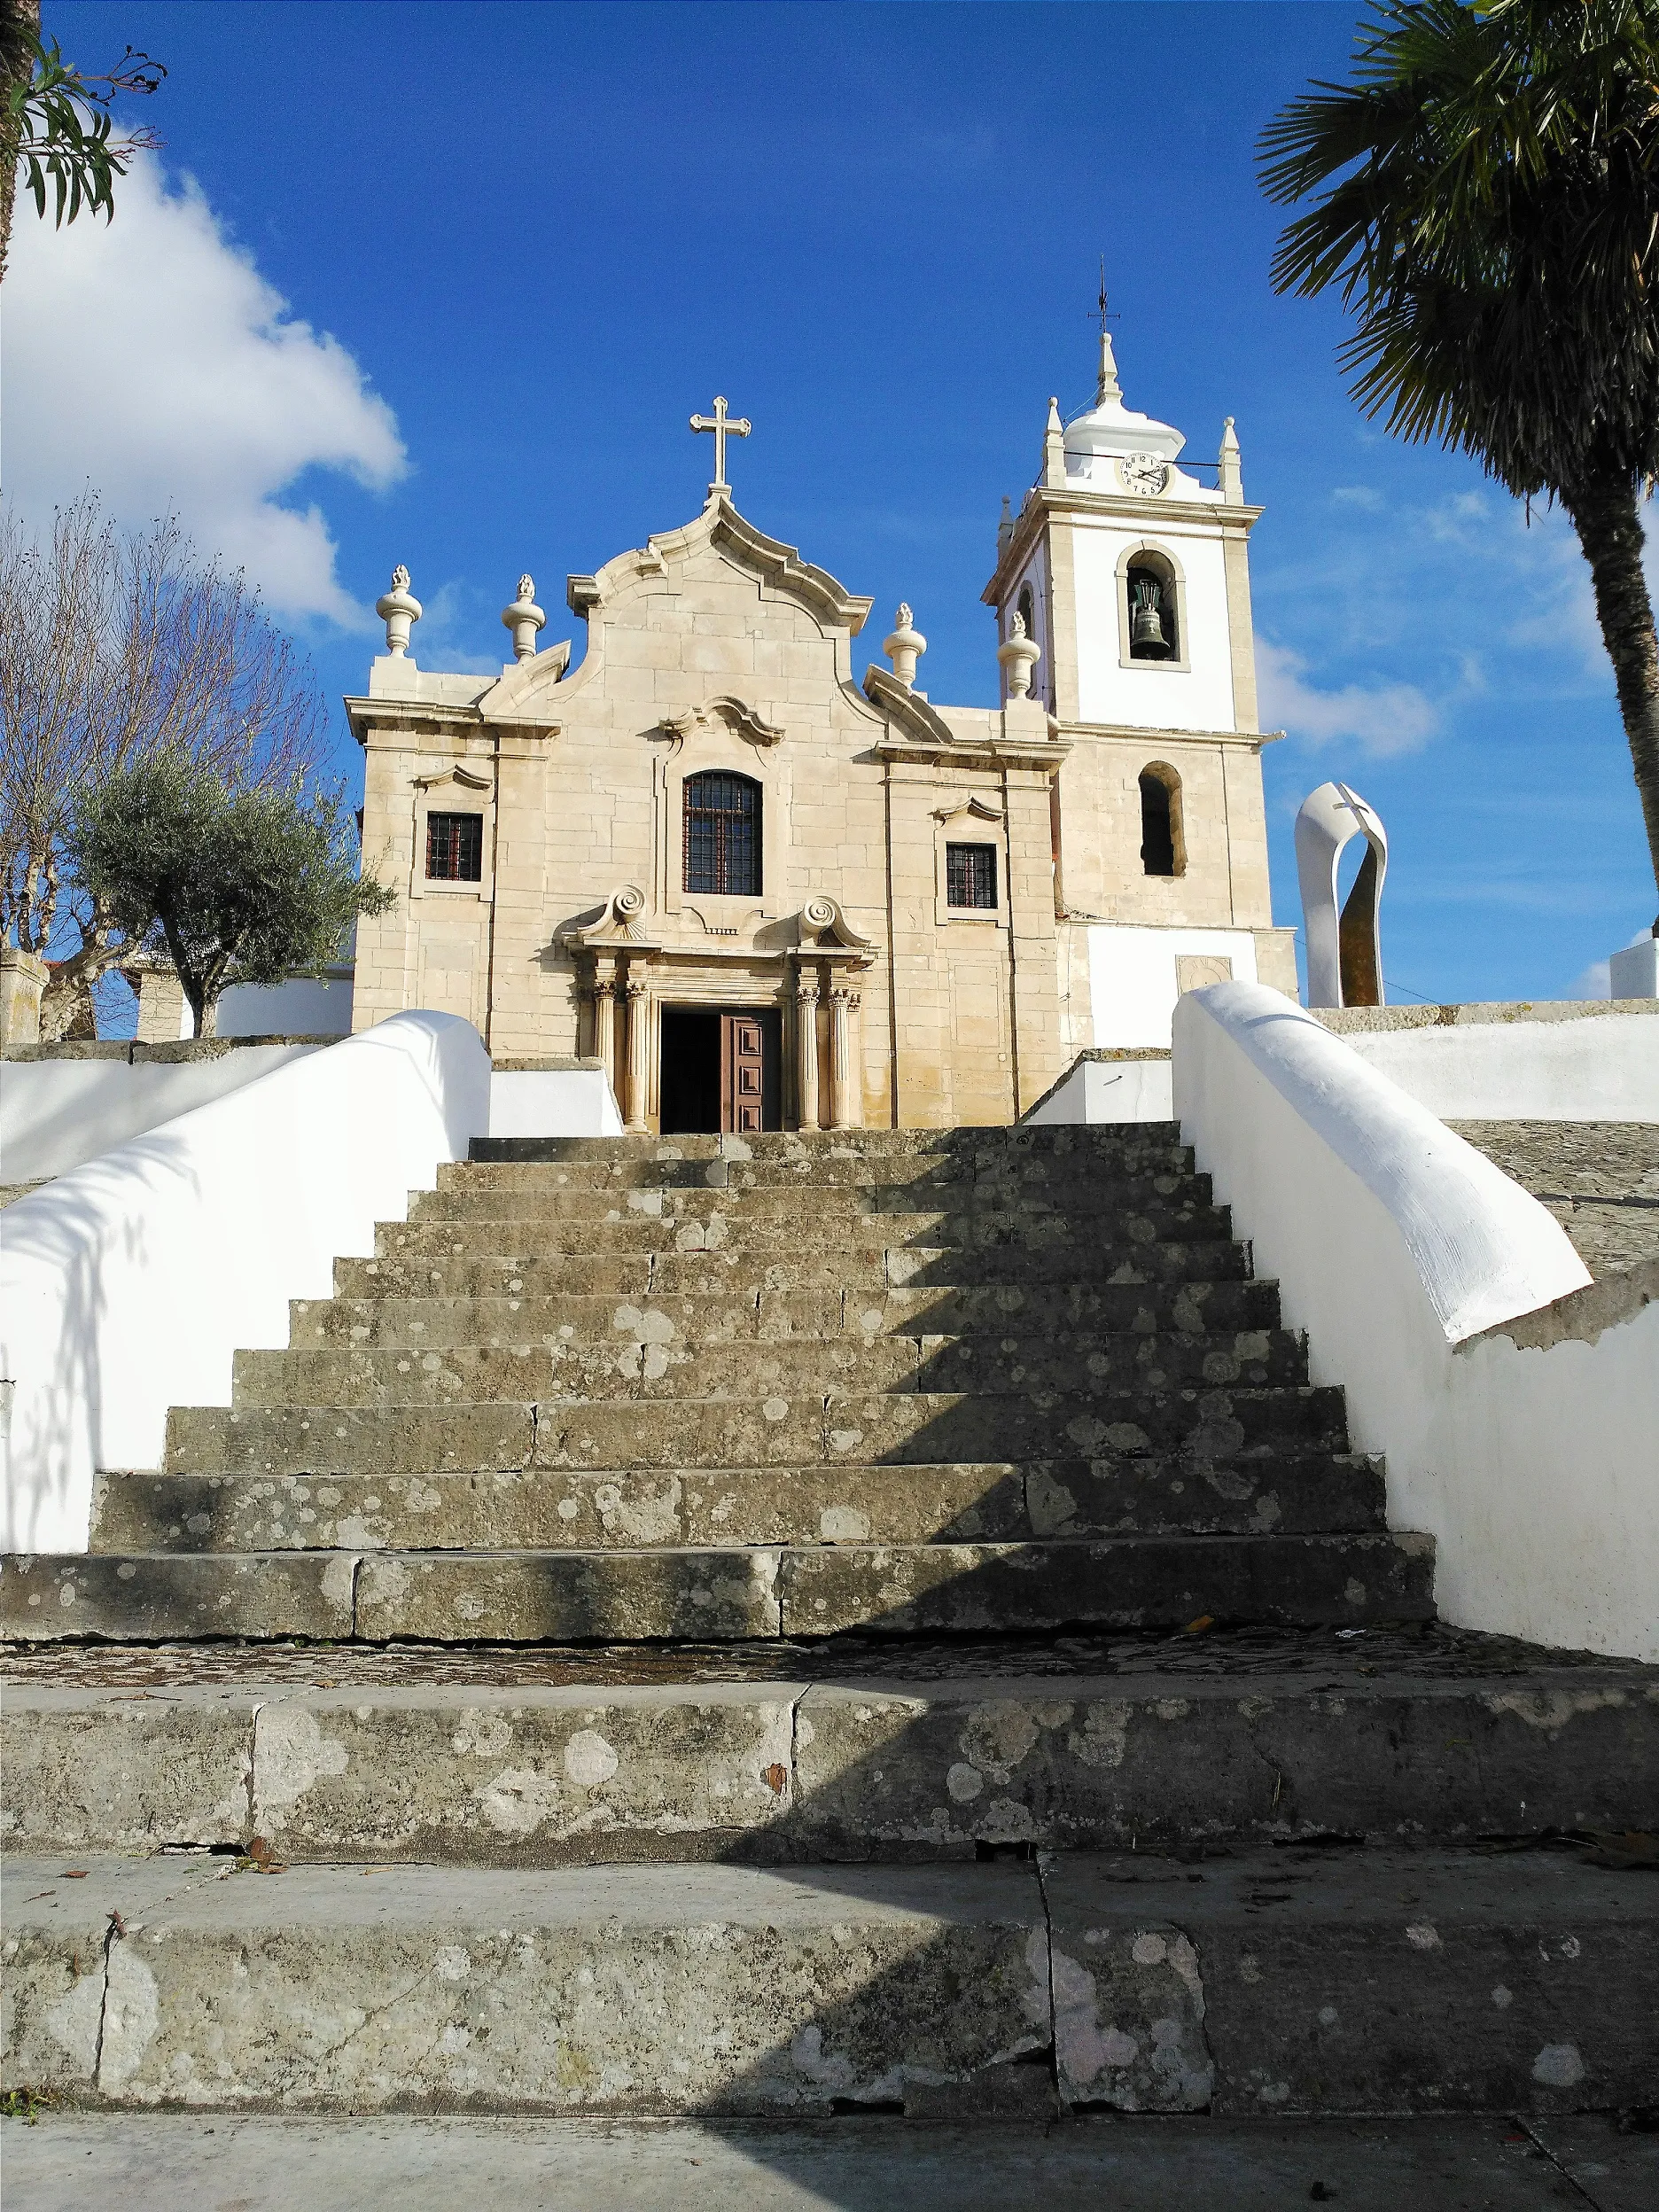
x: 1154, y: 608
x: 722, y: 833
x: 1028, y: 610
x: 1163, y: 848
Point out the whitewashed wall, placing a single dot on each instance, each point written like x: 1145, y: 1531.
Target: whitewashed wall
x: 1544, y: 1063
x: 1132, y: 978
x: 127, y: 1285
x: 305, y: 1006
x: 572, y: 1102
x: 1402, y: 1252
x: 54, y: 1114
x: 1097, y: 1089
x: 1197, y: 698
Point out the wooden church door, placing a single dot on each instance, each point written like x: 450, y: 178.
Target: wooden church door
x: 749, y: 1074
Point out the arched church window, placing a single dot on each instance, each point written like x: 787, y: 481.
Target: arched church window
x: 1028, y: 610
x: 722, y: 833
x: 1154, y: 615
x: 1163, y: 848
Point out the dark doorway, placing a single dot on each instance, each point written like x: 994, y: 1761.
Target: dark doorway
x: 720, y: 1070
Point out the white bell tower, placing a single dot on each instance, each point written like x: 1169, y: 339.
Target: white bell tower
x: 1115, y: 529
x: 1132, y: 576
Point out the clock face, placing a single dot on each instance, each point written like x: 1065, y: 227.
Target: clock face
x: 1144, y: 475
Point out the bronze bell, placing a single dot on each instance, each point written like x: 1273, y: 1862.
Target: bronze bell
x: 1146, y: 630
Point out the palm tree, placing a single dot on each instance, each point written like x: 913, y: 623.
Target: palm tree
x: 1492, y: 217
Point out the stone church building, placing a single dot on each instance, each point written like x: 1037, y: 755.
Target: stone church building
x: 770, y: 892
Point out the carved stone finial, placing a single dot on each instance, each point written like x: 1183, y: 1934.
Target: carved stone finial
x: 1232, y: 470
x: 1005, y: 527
x: 523, y: 618
x: 399, y: 611
x: 1019, y: 655
x: 1053, y: 446
x: 904, y: 646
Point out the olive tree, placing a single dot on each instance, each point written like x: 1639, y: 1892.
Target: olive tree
x: 117, y: 647
x: 231, y: 885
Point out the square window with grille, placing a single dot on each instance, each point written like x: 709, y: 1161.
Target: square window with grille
x: 722, y: 834
x: 454, y: 848
x: 970, y: 876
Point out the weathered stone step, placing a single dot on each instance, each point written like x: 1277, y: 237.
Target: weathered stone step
x: 858, y: 1269
x: 516, y: 1772
x: 653, y: 1365
x: 1109, y: 1207
x: 1225, y: 1310
x: 558, y: 1509
x: 648, y: 1359
x: 664, y: 1168
x: 730, y: 1228
x: 624, y: 1596
x: 1051, y: 1142
x: 900, y: 1426
x: 1278, y: 1982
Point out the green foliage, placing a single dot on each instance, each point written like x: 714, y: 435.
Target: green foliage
x: 58, y: 124
x: 235, y: 885
x: 25, y: 2104
x: 1492, y: 216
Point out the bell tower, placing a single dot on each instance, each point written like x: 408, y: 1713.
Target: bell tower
x: 1132, y: 576
x: 1134, y: 573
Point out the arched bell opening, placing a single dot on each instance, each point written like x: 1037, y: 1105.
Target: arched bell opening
x: 1163, y: 846
x: 1154, y: 608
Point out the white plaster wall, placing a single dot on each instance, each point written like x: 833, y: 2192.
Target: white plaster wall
x: 54, y: 1114
x: 552, y: 1103
x: 127, y: 1285
x: 1395, y: 1244
x: 1132, y: 978
x: 1603, y: 1068
x: 1109, y: 1090
x: 1147, y: 697
x: 305, y: 1006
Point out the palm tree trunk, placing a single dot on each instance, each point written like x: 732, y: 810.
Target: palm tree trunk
x: 1608, y: 522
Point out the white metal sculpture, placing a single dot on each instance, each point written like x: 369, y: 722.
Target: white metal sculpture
x: 1344, y: 950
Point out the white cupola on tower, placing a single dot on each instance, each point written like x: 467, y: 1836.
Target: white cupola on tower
x: 1130, y: 572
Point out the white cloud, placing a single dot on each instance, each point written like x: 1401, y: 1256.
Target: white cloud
x: 1596, y: 982
x: 1383, y: 720
x: 1361, y: 495
x: 149, y: 357
x: 455, y: 621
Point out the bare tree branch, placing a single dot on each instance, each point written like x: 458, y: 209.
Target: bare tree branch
x: 116, y: 646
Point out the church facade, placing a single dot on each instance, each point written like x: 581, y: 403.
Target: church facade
x: 769, y: 893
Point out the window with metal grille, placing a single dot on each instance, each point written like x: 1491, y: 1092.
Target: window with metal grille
x: 454, y: 848
x: 970, y: 876
x: 722, y: 834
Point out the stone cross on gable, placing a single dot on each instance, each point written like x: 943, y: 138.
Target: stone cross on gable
x: 723, y: 426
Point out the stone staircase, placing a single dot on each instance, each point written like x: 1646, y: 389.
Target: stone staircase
x: 877, y: 1622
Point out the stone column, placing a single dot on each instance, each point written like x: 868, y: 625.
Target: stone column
x: 807, y: 1050
x: 22, y: 986
x: 605, y: 1022
x: 638, y: 1059
x: 841, y: 1113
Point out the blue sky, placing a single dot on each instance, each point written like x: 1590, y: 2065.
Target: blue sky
x: 441, y: 284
